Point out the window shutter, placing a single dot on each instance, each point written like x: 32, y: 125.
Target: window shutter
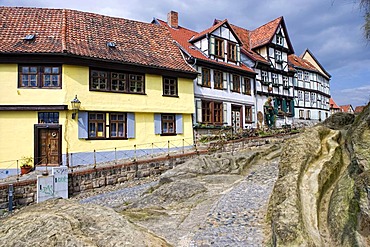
x: 198, y: 104
x: 224, y: 80
x: 237, y: 52
x: 253, y: 114
x: 292, y: 107
x: 276, y: 106
x: 284, y: 106
x: 157, y: 124
x: 130, y: 125
x: 224, y: 115
x: 231, y: 82
x: 243, y: 85
x: 212, y: 45
x: 83, y: 125
x: 179, y: 125
x: 199, y: 78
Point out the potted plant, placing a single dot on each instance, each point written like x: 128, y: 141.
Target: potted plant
x: 26, y: 165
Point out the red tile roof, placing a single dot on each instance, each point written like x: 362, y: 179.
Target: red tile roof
x: 264, y: 34
x: 301, y: 63
x: 183, y: 37
x: 333, y: 104
x: 86, y: 34
x: 359, y: 109
x: 346, y: 108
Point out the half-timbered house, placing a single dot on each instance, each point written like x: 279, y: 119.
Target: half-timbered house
x: 224, y: 89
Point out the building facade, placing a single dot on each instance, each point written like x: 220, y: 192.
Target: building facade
x: 133, y: 94
x: 311, y: 90
x: 224, y: 89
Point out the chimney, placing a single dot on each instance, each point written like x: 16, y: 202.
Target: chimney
x: 173, y: 19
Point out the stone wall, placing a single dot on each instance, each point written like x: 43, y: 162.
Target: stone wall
x: 79, y: 181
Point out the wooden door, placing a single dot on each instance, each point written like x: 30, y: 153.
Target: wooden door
x: 236, y: 118
x: 49, y: 147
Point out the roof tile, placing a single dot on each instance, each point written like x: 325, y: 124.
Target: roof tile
x: 86, y: 34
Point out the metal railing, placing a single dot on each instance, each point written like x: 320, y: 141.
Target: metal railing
x: 109, y: 155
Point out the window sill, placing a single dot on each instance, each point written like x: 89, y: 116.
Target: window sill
x: 168, y: 134
x: 20, y: 87
x: 171, y: 96
x: 103, y: 138
x: 235, y: 91
x: 205, y: 86
x: 110, y: 91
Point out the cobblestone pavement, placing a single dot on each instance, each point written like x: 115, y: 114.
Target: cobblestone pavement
x: 238, y: 217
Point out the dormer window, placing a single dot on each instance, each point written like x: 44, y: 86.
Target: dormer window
x: 219, y: 48
x: 231, y: 51
x: 278, y: 56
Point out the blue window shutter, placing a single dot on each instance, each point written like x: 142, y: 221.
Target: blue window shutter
x: 130, y: 125
x: 83, y: 125
x: 179, y: 124
x: 157, y: 124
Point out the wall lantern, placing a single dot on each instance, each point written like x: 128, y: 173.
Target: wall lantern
x: 76, y: 103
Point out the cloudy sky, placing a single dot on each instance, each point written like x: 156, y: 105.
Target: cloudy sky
x: 331, y: 29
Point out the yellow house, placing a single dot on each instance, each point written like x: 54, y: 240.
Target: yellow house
x: 74, y: 82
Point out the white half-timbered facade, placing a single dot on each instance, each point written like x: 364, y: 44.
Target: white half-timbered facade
x: 224, y: 89
x: 266, y: 50
x: 311, y: 89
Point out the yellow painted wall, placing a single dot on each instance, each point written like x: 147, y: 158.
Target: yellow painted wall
x: 307, y: 56
x: 75, y: 80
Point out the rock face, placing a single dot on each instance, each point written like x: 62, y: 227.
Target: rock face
x: 65, y: 223
x: 321, y: 197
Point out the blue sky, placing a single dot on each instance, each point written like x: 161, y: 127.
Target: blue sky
x: 331, y: 29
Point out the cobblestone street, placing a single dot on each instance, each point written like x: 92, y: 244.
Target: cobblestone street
x: 236, y: 219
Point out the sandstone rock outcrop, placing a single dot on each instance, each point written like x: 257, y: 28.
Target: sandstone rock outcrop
x: 322, y: 195
x: 62, y: 222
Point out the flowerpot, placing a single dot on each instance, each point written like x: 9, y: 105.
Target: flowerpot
x: 25, y: 169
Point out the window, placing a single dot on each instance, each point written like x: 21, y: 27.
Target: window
x: 92, y: 125
x: 168, y: 124
x: 300, y: 95
x: 116, y: 82
x: 219, y: 48
x: 275, y: 79
x: 231, y: 51
x: 206, y: 77
x: 218, y: 77
x: 96, y: 125
x: 285, y: 82
x: 212, y: 112
x: 307, y: 96
x: 306, y: 76
x: 117, y: 125
x: 308, y: 114
x: 248, y: 114
x: 40, y: 76
x: 280, y: 39
x: 264, y: 76
x: 247, y: 86
x: 313, y: 97
x: 48, y: 117
x: 300, y: 74
x: 136, y: 83
x: 278, y: 56
x: 170, y: 86
x: 301, y: 114
x: 235, y: 83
